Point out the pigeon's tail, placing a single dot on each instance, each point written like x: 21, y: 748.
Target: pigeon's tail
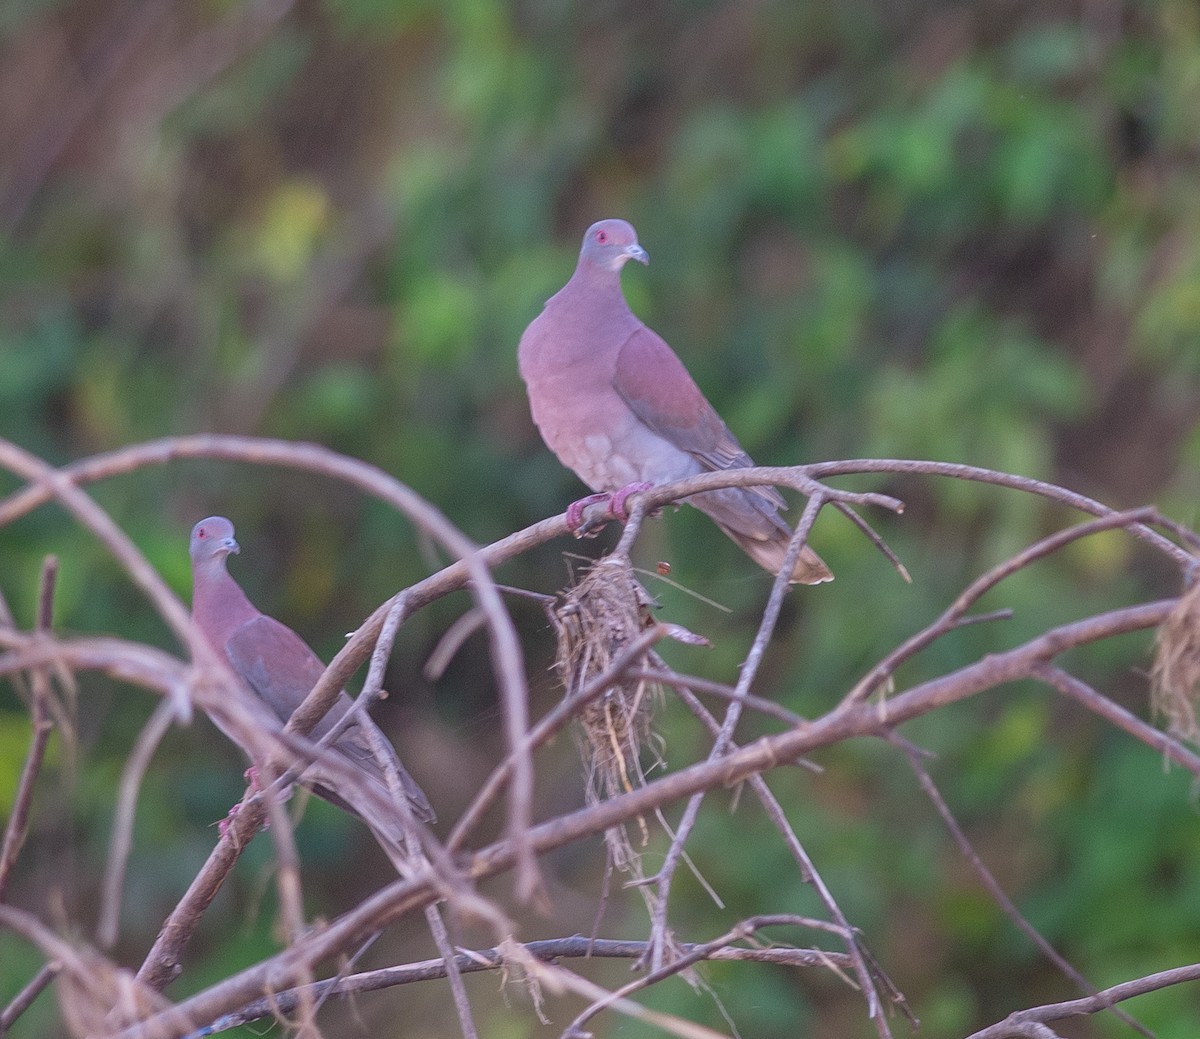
x: 393, y: 823
x: 768, y: 552
x: 391, y: 830
x: 750, y: 518
x: 416, y: 796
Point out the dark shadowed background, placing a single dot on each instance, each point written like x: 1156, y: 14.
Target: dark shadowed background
x: 920, y: 229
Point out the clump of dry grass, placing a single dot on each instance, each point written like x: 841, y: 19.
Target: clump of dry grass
x: 595, y: 620
x: 1175, y: 677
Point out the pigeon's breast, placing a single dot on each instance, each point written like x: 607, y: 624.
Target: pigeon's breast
x: 568, y: 359
x: 596, y: 435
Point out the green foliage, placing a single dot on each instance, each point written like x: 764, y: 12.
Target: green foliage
x: 896, y: 230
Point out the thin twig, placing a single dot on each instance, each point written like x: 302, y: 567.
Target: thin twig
x: 739, y: 932
x: 808, y: 870
x: 1081, y: 692
x: 18, y: 820
x: 121, y: 841
x: 951, y: 617
x: 718, y: 689
x: 558, y: 979
x: 23, y: 1000
x: 658, y: 923
x: 402, y: 896
x: 454, y: 973
x: 1101, y: 1001
x: 372, y: 687
x: 96, y: 982
x: 476, y: 961
x: 95, y: 519
x: 874, y: 537
x: 451, y: 642
x: 989, y: 881
x: 552, y: 723
x: 291, y: 897
x: 1025, y: 484
x: 658, y: 932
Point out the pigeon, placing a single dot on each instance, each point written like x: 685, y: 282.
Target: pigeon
x: 616, y: 405
x: 280, y: 669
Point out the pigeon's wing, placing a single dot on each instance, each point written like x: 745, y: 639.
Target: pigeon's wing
x: 281, y: 668
x: 663, y: 395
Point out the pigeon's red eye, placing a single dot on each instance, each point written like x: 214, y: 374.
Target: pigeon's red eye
x: 202, y: 533
x: 601, y: 237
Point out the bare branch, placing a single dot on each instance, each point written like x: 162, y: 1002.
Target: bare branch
x: 400, y: 897
x: 18, y: 820
x: 952, y: 616
x: 1079, y: 691
x: 858, y: 958
x: 958, y: 471
x: 113, y: 538
x: 431, y: 873
x: 658, y: 923
x: 874, y: 537
x: 23, y: 1000
x: 551, y: 724
x: 695, y: 954
x: 451, y: 642
x: 454, y: 972
x: 92, y: 983
x: 121, y: 842
x: 1102, y: 1000
x: 550, y: 949
x: 718, y: 689
x: 989, y: 881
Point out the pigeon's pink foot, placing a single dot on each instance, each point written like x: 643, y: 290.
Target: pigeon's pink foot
x: 224, y: 824
x: 617, y: 508
x: 251, y: 777
x: 575, y: 514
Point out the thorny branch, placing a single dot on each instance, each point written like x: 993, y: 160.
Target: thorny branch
x: 131, y: 1007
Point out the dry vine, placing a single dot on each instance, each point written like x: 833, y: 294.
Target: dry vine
x: 609, y: 664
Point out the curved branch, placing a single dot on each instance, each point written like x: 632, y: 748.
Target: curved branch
x: 957, y: 471
x: 1102, y: 1000
x: 100, y: 523
x: 401, y: 897
x: 479, y: 960
x: 522, y: 841
x: 953, y: 615
x: 505, y: 647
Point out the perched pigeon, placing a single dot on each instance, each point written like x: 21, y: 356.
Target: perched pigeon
x: 281, y: 670
x: 616, y: 405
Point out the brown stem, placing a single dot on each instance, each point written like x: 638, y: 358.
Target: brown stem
x: 18, y: 821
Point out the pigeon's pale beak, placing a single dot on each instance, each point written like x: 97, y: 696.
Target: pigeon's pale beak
x: 230, y: 545
x: 636, y: 252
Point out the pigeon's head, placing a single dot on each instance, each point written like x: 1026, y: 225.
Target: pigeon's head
x: 212, y: 539
x: 609, y: 243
